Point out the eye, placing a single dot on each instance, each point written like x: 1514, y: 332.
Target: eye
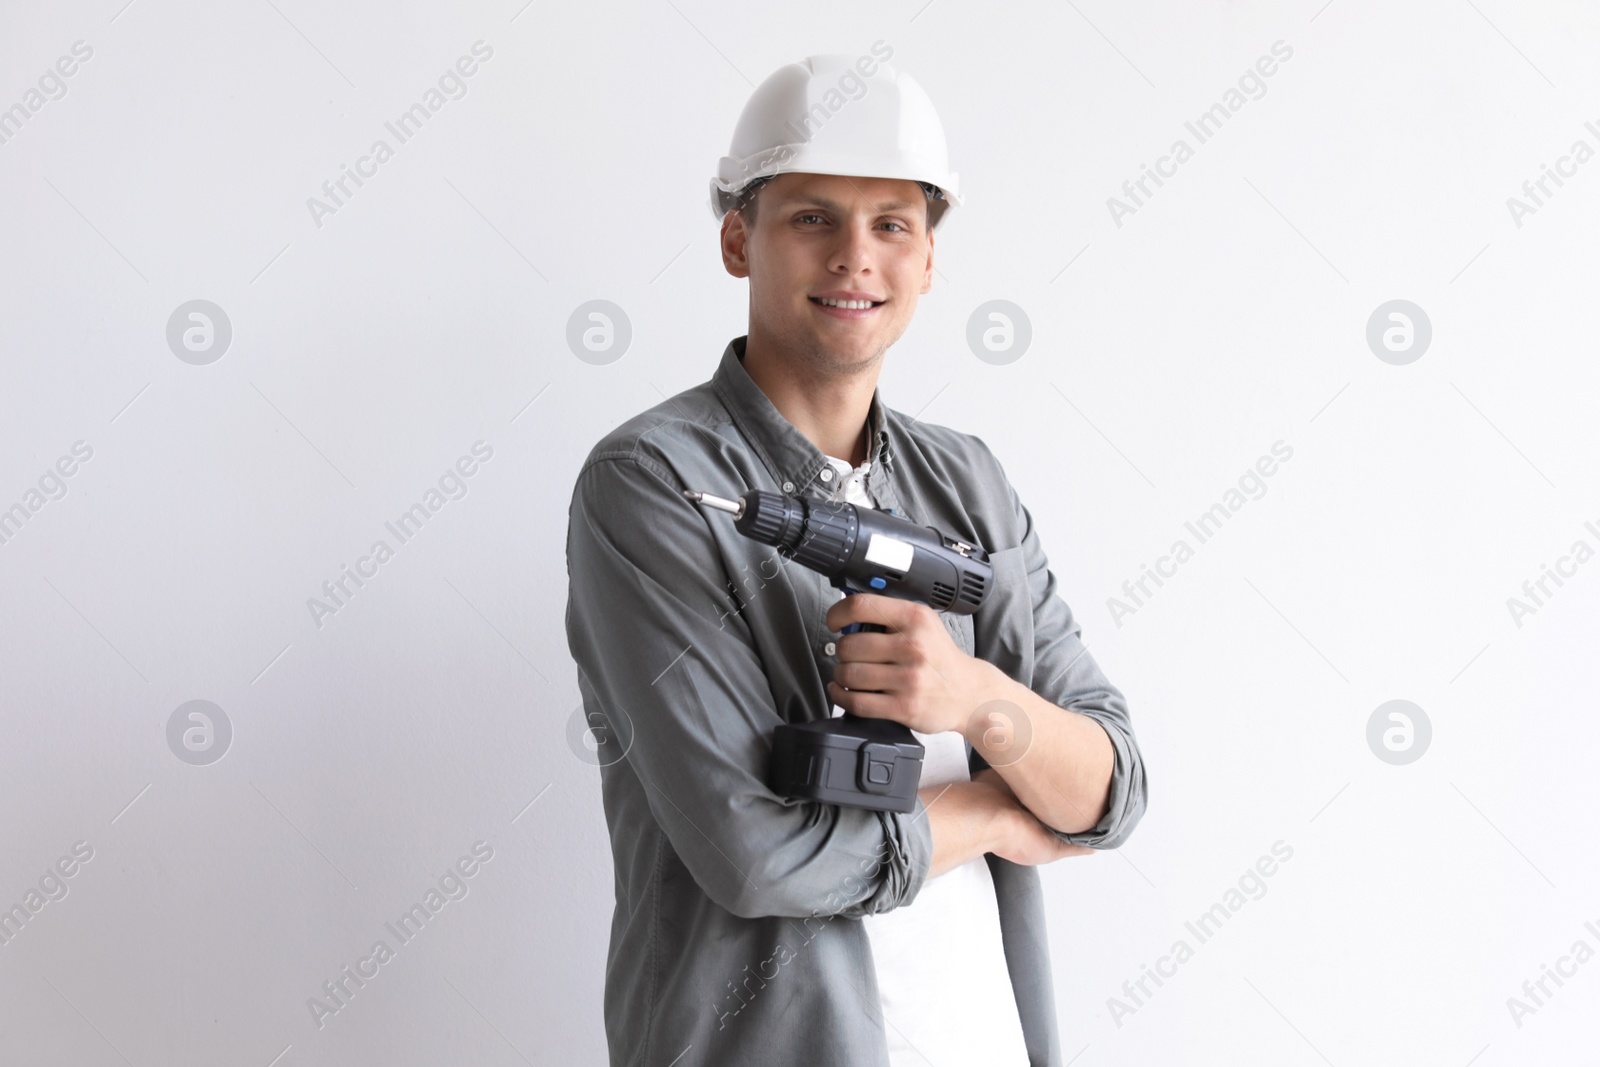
x: 901, y: 228
x: 808, y: 215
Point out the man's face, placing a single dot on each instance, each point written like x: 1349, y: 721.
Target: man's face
x: 819, y: 236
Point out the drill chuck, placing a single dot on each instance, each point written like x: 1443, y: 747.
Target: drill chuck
x: 863, y: 548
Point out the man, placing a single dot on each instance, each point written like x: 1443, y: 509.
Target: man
x: 752, y: 929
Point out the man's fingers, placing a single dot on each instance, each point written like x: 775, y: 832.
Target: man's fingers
x: 863, y: 646
x: 859, y: 676
x: 862, y: 703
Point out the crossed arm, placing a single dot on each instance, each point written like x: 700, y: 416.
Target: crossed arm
x: 1064, y: 776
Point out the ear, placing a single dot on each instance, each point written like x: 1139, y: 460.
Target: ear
x: 735, y: 240
x: 927, y: 275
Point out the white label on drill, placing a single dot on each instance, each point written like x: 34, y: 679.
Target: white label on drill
x: 890, y: 552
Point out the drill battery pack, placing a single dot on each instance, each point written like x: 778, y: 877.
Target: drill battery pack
x: 874, y: 763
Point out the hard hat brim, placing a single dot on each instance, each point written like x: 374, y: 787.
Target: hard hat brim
x: 734, y: 175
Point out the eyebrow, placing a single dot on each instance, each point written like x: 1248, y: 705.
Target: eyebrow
x: 806, y: 198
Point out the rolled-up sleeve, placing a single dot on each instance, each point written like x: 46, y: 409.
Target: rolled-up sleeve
x: 1065, y: 674
x: 681, y: 679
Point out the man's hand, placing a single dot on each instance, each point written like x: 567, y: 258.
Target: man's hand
x: 914, y: 674
x: 1024, y: 839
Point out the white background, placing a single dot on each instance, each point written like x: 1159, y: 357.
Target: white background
x: 430, y: 312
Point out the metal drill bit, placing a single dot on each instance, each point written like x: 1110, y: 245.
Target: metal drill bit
x: 733, y: 507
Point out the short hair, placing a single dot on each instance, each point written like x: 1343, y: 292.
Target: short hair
x: 745, y: 200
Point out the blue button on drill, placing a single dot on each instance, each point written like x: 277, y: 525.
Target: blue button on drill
x: 877, y: 583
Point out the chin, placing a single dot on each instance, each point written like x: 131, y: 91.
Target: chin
x: 861, y: 354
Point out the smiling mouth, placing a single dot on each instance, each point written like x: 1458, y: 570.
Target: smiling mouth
x: 835, y: 307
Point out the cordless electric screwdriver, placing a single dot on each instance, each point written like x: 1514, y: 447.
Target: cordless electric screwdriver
x: 850, y: 760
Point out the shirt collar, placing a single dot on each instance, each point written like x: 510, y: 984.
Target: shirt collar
x: 791, y: 457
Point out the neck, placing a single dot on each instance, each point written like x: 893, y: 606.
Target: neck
x: 828, y: 407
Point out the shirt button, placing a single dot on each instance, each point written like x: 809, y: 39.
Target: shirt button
x: 827, y: 474
x: 788, y: 487
x: 829, y: 648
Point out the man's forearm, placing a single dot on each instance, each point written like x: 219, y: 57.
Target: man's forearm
x: 1064, y: 775
x: 966, y: 821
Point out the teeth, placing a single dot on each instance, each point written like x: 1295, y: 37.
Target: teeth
x: 854, y: 305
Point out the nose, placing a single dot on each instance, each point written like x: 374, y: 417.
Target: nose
x: 852, y: 253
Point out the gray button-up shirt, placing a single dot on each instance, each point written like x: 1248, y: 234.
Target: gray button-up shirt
x: 735, y: 937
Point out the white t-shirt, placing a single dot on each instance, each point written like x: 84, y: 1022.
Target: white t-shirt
x: 943, y: 986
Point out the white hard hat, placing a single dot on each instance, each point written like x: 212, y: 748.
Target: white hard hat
x: 829, y: 115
